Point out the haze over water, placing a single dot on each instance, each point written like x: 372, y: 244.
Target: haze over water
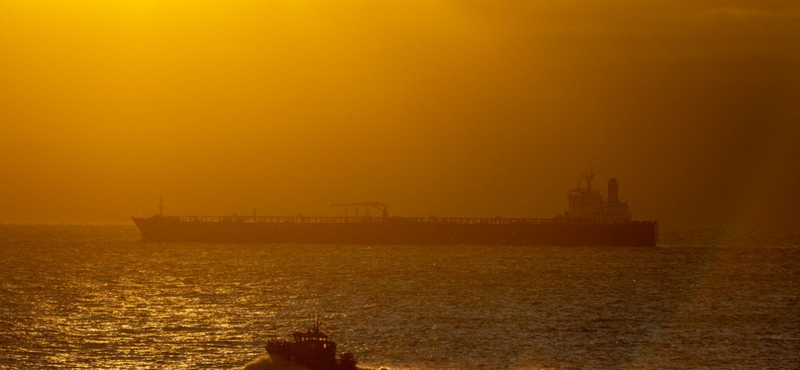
x: 99, y: 297
x: 453, y: 108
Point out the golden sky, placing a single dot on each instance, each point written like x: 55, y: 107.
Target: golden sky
x: 447, y: 108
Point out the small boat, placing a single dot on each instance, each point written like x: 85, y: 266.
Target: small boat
x: 313, y: 350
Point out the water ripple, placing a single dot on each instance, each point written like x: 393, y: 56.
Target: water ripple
x: 98, y: 297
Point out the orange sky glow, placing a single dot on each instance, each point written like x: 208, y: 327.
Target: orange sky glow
x: 447, y: 108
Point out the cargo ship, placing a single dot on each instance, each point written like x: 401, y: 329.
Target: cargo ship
x: 589, y: 220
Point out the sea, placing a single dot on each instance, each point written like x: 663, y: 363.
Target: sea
x: 99, y: 297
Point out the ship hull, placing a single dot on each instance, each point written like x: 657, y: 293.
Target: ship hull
x: 397, y: 231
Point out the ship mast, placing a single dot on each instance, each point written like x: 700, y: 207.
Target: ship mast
x: 588, y: 177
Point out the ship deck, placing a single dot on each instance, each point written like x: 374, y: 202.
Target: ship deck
x: 361, y: 220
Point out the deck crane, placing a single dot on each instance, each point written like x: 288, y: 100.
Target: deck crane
x: 377, y: 205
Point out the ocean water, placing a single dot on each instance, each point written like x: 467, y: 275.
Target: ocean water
x: 99, y: 297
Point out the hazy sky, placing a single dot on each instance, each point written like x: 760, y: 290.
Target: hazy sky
x: 447, y: 108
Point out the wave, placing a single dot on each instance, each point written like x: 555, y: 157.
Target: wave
x: 265, y: 362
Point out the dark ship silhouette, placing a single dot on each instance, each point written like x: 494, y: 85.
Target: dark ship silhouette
x: 590, y: 220
x: 313, y: 350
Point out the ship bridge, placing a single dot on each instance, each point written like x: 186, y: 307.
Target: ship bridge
x: 587, y: 204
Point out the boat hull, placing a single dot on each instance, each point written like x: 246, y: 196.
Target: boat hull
x: 397, y: 231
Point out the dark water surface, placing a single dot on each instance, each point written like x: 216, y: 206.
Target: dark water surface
x: 98, y: 297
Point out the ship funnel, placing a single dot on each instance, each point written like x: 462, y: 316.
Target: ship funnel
x: 613, y: 191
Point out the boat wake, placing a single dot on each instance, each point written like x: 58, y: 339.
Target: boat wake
x: 265, y: 362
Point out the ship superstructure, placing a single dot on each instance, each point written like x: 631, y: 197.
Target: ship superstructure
x: 586, y: 205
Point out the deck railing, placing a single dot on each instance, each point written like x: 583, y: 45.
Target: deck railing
x: 361, y: 220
